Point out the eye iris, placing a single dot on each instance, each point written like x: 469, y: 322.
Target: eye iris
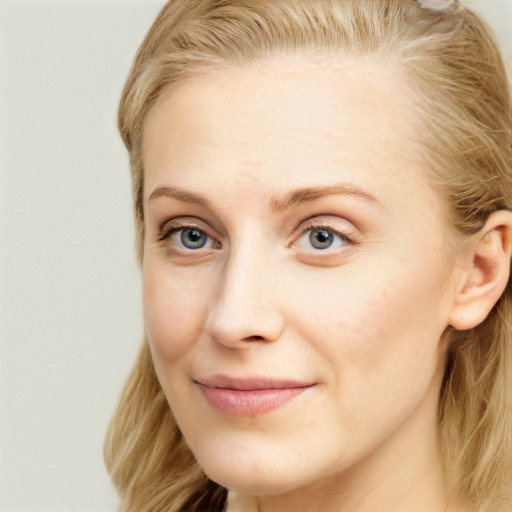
x: 321, y: 238
x: 193, y: 238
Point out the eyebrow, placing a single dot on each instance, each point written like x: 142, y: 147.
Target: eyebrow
x: 308, y: 194
x: 179, y: 194
x: 277, y: 204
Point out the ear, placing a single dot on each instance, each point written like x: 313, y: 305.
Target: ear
x: 486, y: 276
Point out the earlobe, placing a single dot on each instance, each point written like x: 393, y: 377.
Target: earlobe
x: 486, y: 277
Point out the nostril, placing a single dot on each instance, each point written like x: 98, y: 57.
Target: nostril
x: 253, y: 338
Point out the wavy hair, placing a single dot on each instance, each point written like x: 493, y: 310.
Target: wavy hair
x: 464, y: 102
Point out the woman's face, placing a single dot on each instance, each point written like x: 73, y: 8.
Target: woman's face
x: 297, y: 280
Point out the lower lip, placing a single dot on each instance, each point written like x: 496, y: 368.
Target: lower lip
x: 249, y: 403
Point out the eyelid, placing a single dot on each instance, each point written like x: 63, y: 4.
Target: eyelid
x: 328, y: 222
x: 169, y: 225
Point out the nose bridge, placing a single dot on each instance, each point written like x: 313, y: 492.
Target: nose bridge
x: 244, y: 308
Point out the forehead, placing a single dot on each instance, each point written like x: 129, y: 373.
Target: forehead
x: 293, y: 117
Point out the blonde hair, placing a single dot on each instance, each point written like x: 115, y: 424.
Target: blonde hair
x: 465, y: 101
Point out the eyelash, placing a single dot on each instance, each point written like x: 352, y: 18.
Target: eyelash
x: 167, y: 234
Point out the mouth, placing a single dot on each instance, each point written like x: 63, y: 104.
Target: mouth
x: 249, y: 396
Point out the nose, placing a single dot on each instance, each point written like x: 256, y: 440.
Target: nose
x: 245, y: 309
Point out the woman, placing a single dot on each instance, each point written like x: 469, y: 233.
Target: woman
x: 322, y: 200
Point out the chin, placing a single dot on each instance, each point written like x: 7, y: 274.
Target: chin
x: 254, y: 484
x: 255, y: 479
x: 259, y: 464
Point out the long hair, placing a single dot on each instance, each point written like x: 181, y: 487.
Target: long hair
x: 464, y: 102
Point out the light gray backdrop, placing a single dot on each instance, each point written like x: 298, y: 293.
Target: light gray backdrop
x: 70, y: 320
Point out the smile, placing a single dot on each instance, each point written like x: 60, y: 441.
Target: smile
x: 249, y: 397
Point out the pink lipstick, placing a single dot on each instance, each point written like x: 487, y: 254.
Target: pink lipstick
x: 249, y: 397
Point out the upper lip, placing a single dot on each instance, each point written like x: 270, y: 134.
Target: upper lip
x: 250, y: 383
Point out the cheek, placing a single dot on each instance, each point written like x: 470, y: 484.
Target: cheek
x: 382, y: 350
x: 387, y: 318
x: 174, y: 312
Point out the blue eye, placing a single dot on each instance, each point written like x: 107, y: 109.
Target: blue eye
x: 191, y: 238
x: 321, y: 239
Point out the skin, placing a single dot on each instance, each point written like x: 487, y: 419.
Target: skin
x: 363, y: 320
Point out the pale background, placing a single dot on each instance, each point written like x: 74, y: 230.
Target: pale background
x: 70, y: 320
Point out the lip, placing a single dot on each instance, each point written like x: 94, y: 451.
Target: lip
x: 249, y: 396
